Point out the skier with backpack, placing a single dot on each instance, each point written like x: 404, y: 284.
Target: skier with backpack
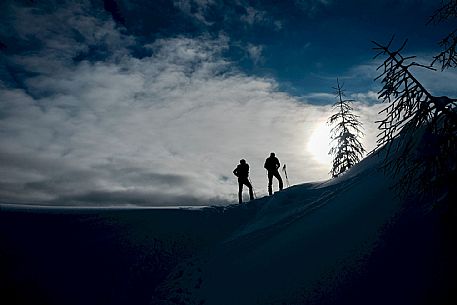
x: 242, y: 172
x: 272, y: 165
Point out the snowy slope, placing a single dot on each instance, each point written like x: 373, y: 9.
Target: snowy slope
x: 309, y: 244
x: 348, y: 240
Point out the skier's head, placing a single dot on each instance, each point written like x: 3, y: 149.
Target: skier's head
x: 242, y: 161
x: 272, y: 154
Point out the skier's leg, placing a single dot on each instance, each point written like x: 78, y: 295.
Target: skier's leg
x: 270, y: 181
x: 278, y: 176
x: 240, y: 191
x: 249, y: 185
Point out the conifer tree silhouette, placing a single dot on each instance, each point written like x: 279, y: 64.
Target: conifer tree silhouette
x: 448, y: 56
x: 346, y: 148
x: 419, y: 132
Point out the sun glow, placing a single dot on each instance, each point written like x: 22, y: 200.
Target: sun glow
x: 319, y: 144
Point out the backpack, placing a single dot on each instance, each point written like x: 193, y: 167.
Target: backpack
x: 242, y: 170
x: 270, y: 163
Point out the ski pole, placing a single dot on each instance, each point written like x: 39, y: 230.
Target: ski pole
x: 253, y: 189
x: 285, y: 173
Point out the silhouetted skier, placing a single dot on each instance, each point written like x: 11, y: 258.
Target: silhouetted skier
x: 272, y: 165
x: 242, y: 172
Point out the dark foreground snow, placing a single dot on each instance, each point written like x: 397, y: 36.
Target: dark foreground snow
x: 344, y: 241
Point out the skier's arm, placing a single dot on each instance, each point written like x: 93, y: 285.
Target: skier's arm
x: 235, y: 171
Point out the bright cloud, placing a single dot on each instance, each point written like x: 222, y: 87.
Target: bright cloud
x: 166, y: 129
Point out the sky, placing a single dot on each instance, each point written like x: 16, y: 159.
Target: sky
x: 154, y: 103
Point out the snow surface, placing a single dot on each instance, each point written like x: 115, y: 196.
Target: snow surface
x: 348, y: 240
x: 297, y: 237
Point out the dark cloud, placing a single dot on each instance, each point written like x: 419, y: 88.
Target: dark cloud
x: 112, y: 7
x: 54, y: 180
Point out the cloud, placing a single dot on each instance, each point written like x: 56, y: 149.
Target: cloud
x: 369, y: 97
x: 325, y: 97
x: 311, y: 7
x: 278, y: 25
x: 59, y: 33
x: 369, y: 106
x: 436, y: 82
x: 255, y: 53
x: 253, y: 16
x: 164, y: 129
x: 195, y: 8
